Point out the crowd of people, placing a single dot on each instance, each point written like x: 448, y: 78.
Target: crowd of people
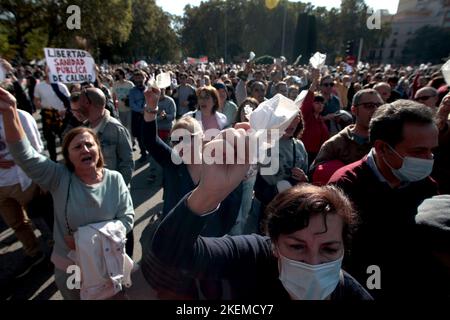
x: 358, y: 210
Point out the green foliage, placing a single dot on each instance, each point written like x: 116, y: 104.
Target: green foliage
x: 36, y: 40
x: 236, y: 27
x: 130, y: 30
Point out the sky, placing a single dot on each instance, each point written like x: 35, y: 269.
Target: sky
x: 177, y: 6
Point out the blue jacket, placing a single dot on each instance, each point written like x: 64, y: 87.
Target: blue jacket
x: 137, y: 99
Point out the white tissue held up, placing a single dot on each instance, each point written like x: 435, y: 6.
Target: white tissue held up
x: 163, y: 80
x: 317, y: 61
x: 251, y: 56
x: 446, y: 72
x: 271, y: 119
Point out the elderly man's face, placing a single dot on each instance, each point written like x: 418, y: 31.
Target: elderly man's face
x: 365, y: 109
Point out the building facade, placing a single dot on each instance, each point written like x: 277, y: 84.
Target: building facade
x: 411, y: 16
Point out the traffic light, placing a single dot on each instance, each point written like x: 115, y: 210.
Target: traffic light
x: 349, y: 48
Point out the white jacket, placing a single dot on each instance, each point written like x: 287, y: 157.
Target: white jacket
x: 221, y: 119
x: 100, y: 254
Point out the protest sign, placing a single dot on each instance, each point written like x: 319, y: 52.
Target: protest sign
x: 70, y: 65
x: 191, y: 60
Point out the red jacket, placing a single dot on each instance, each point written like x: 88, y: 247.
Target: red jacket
x: 316, y: 131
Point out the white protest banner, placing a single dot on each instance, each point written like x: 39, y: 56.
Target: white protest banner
x: 70, y: 65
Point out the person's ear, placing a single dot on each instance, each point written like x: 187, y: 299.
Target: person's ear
x: 354, y: 110
x: 380, y: 147
x: 275, y: 250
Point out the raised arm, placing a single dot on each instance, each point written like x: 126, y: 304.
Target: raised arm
x: 307, y: 106
x: 154, y: 145
x: 177, y: 241
x: 38, y: 167
x: 443, y: 113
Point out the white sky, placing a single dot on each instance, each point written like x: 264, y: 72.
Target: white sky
x: 177, y: 6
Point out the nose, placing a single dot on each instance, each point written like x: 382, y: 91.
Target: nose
x: 85, y: 148
x: 312, y: 258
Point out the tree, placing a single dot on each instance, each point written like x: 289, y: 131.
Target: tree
x: 29, y: 21
x: 427, y: 45
x: 19, y: 19
x: 151, y: 37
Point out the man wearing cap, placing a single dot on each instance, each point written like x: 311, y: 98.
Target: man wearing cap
x: 352, y: 143
x: 433, y: 225
x: 386, y: 187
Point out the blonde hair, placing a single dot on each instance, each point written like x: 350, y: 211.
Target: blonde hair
x: 188, y: 123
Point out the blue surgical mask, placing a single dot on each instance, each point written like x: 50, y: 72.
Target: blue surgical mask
x: 412, y: 169
x: 309, y: 282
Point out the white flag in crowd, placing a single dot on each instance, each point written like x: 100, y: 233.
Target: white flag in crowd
x: 70, y: 65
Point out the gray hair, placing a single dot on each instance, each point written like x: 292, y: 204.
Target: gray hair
x: 357, y: 97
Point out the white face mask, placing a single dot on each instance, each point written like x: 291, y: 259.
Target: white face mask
x: 309, y: 282
x: 413, y: 169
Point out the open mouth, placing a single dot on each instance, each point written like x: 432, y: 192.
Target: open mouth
x: 87, y: 159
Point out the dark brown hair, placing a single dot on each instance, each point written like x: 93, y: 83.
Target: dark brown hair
x: 292, y: 209
x: 68, y: 139
x: 210, y: 90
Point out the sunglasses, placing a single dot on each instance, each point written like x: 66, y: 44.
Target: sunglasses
x: 331, y: 84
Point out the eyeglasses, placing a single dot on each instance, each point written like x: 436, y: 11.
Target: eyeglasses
x: 370, y: 105
x: 87, y: 96
x: 330, y: 84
